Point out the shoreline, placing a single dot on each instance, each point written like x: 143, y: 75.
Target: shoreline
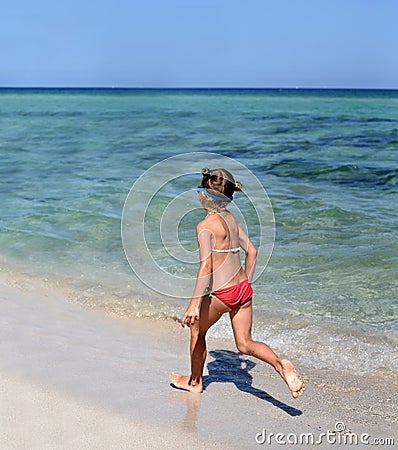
x: 88, y: 377
x: 316, y: 342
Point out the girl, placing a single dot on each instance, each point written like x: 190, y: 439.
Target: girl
x: 220, y: 239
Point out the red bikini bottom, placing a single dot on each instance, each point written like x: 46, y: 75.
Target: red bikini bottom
x: 235, y: 296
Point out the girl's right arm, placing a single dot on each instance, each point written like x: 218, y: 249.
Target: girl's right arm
x: 203, y: 277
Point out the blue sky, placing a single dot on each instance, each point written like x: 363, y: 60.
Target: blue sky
x: 199, y: 43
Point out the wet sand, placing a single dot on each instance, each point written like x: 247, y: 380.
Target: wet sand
x: 78, y: 378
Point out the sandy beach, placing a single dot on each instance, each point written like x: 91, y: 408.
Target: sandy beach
x: 78, y: 378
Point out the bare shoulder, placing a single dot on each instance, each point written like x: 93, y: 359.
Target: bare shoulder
x: 203, y: 225
x: 208, y: 224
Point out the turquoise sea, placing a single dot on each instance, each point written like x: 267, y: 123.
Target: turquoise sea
x: 326, y: 158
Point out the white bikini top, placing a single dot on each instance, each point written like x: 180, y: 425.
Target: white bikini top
x: 228, y: 250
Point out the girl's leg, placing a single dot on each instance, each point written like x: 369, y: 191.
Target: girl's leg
x: 241, y: 320
x: 210, y: 311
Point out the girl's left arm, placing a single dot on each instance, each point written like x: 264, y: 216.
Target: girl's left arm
x: 203, y: 277
x: 251, y: 253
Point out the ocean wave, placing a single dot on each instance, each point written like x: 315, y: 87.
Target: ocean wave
x: 313, y: 340
x: 322, y: 345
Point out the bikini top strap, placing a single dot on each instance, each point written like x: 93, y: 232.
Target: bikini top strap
x: 228, y: 250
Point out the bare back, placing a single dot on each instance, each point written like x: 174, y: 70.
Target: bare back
x: 222, y: 235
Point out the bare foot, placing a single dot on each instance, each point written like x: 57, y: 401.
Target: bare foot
x: 292, y: 378
x: 184, y: 382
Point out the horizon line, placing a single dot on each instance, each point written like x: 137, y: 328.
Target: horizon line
x: 121, y: 87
